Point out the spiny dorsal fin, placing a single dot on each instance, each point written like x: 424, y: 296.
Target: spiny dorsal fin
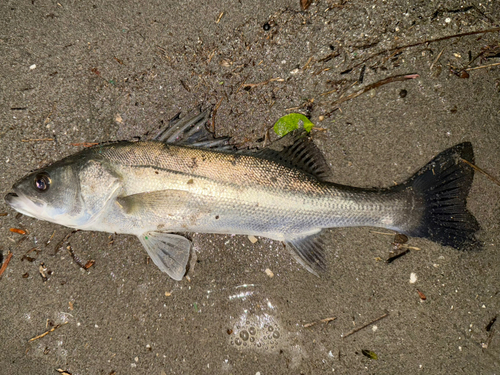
x: 303, y: 154
x: 191, y: 130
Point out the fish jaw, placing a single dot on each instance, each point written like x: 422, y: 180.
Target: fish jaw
x: 20, y: 203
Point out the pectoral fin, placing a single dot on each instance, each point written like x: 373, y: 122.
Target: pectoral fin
x: 308, y: 251
x: 170, y: 252
x: 167, y: 201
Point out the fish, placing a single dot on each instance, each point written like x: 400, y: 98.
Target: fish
x: 160, y: 189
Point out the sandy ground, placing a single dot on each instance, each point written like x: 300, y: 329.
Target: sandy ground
x: 94, y: 71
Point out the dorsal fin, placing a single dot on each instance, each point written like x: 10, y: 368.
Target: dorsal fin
x: 192, y: 131
x: 302, y: 154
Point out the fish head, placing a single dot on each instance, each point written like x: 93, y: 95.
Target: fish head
x: 70, y: 192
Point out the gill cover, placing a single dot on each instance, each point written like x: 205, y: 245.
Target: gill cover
x: 98, y: 186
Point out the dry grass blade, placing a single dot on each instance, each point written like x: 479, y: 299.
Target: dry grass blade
x: 38, y: 140
x: 475, y: 167
x: 372, y: 86
x: 483, y: 66
x: 47, y: 332
x: 325, y: 320
x: 366, y: 325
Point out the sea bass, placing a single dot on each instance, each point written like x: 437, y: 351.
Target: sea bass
x: 155, y: 190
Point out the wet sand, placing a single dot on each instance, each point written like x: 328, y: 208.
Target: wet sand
x: 75, y: 72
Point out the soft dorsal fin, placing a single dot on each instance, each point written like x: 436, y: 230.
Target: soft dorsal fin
x: 302, y: 154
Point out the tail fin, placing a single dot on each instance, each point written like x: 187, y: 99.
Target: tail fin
x: 443, y: 185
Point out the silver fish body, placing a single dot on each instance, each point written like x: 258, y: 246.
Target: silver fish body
x: 153, y: 189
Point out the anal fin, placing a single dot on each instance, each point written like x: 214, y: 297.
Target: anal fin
x: 170, y: 252
x: 308, y: 251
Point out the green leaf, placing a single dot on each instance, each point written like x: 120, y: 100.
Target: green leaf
x: 369, y: 354
x: 292, y: 121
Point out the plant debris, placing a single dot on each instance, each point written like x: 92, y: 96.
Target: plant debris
x: 30, y: 259
x: 369, y: 354
x: 78, y: 261
x: 38, y: 140
x: 325, y: 320
x: 490, y: 324
x: 476, y: 168
x: 5, y: 263
x: 50, y: 239
x: 428, y: 41
x: 421, y: 295
x: 17, y: 230
x: 47, y: 332
x: 291, y: 122
x: 367, y: 88
x: 304, y: 4
x: 248, y: 86
x: 366, y: 325
x: 42, y: 270
x: 61, y: 243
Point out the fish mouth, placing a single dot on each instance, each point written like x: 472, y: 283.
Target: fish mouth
x: 21, y: 204
x: 10, y: 199
x: 9, y: 196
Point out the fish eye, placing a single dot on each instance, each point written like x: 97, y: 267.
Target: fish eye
x: 42, y: 181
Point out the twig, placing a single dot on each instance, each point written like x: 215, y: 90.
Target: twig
x: 250, y: 85
x: 214, y: 113
x: 61, y: 243
x: 475, y: 167
x: 6, y: 263
x: 47, y: 332
x: 366, y: 325
x: 306, y: 66
x: 483, y: 66
x: 38, y: 140
x: 495, y: 29
x: 220, y: 17
x: 371, y: 87
x: 50, y: 239
x: 394, y: 257
x: 326, y: 320
x: 437, y: 59
x: 48, y: 119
